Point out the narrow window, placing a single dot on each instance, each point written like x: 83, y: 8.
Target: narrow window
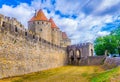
x: 16, y: 30
x: 3, y: 25
x: 38, y: 22
x: 20, y: 25
x: 33, y: 36
x: 44, y: 41
x: 40, y: 30
x: 39, y: 39
x: 25, y: 33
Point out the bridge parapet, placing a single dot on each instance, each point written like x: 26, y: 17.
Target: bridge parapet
x: 78, y: 51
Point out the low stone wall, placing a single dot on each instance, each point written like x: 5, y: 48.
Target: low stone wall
x: 92, y: 60
x: 111, y: 62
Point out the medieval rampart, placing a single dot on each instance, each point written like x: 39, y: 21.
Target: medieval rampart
x: 22, y: 52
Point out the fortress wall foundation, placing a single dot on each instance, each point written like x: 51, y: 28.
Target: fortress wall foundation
x: 20, y: 55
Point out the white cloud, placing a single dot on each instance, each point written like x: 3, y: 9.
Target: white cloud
x: 103, y: 33
x: 106, y: 4
x: 82, y: 29
x: 70, y: 7
x: 22, y: 12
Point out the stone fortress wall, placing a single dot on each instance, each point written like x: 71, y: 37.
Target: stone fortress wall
x: 22, y: 51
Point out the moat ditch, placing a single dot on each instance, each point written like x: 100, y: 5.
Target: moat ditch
x: 70, y: 74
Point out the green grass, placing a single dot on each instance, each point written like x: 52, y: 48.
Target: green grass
x: 68, y: 74
x: 106, y: 75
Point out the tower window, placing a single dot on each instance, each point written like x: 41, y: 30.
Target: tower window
x: 38, y: 22
x: 33, y: 36
x: 16, y: 30
x: 39, y: 39
x: 20, y: 25
x: 25, y: 33
x: 40, y: 30
x: 3, y: 24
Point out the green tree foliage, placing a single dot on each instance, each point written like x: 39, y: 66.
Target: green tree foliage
x: 99, y: 46
x: 116, y: 33
x: 109, y: 43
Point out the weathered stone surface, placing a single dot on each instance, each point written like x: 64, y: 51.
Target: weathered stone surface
x: 92, y: 60
x: 111, y: 62
x: 19, y: 56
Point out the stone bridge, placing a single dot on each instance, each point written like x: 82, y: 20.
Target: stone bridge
x: 79, y: 51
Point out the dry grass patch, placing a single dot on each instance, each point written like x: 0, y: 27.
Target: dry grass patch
x: 61, y: 74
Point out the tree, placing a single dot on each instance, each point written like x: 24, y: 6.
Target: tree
x: 99, y: 46
x: 105, y: 43
x: 109, y: 43
x: 116, y: 33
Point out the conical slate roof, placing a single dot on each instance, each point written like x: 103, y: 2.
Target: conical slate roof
x: 39, y: 16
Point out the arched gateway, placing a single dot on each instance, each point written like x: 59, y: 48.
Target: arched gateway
x: 76, y: 52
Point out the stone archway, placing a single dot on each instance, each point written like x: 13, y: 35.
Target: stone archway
x: 91, y: 52
x: 78, y: 56
x: 71, y: 57
x: 78, y: 53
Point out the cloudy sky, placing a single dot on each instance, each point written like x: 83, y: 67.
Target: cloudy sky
x: 82, y: 20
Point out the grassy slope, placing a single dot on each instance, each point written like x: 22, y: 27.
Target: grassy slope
x: 69, y: 74
x: 112, y: 75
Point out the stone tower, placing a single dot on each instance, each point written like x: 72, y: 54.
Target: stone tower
x: 65, y: 40
x: 40, y: 25
x: 1, y: 19
x: 55, y: 32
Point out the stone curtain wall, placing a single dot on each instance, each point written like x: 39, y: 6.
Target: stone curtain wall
x: 20, y: 54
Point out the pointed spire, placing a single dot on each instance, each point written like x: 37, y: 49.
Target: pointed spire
x: 53, y: 25
x: 39, y: 16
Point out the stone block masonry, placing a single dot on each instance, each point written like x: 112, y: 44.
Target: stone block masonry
x: 112, y: 62
x: 21, y: 55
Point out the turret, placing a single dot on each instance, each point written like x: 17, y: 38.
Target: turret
x: 55, y: 32
x: 40, y: 25
x: 1, y: 19
x: 65, y: 40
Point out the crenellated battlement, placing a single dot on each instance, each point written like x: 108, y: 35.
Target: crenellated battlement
x: 82, y: 45
x: 11, y: 21
x: 15, y: 28
x: 23, y: 51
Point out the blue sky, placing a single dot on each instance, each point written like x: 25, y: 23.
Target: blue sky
x: 82, y: 20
